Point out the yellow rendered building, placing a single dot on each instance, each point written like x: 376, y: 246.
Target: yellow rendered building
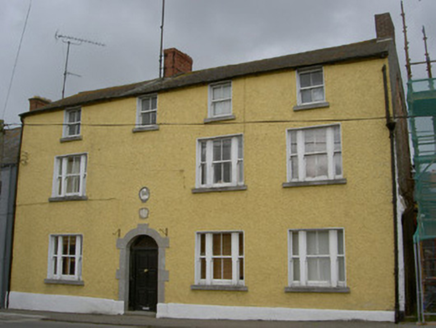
x: 268, y: 190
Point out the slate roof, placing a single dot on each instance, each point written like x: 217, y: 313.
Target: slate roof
x: 11, y: 146
x: 355, y: 51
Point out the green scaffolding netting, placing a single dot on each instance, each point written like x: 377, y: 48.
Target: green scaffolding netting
x: 421, y: 98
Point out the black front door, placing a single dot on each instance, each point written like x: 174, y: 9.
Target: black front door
x: 143, y: 275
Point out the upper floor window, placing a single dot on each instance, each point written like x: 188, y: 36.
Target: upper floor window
x: 65, y: 257
x: 146, y: 111
x: 220, y: 100
x: 317, y: 258
x: 219, y: 258
x: 72, y: 120
x: 310, y: 86
x: 314, y: 153
x: 220, y: 162
x: 69, y: 176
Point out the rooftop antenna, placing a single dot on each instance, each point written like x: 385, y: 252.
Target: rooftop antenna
x: 70, y: 40
x: 161, y: 40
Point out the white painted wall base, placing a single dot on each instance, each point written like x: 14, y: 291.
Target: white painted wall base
x: 194, y: 311
x: 64, y: 303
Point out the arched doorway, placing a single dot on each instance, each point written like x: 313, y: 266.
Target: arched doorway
x: 143, y: 280
x: 123, y: 273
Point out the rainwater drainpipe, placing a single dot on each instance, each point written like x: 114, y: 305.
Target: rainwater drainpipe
x: 390, y: 124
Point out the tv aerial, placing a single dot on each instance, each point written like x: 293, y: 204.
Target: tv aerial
x: 70, y: 40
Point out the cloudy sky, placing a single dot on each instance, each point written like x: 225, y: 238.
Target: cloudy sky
x: 213, y: 32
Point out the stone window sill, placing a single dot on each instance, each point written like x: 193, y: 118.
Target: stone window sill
x: 313, y: 183
x: 153, y: 127
x: 68, y: 139
x: 219, y: 118
x: 315, y: 289
x: 218, y: 189
x: 323, y: 104
x: 220, y: 288
x: 64, y: 282
x: 67, y: 198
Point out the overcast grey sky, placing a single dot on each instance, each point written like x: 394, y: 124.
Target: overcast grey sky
x: 213, y: 32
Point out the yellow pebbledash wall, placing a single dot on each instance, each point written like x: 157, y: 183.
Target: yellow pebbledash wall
x: 120, y: 162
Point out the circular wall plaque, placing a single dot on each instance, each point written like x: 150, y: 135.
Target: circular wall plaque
x: 143, y: 213
x: 144, y: 194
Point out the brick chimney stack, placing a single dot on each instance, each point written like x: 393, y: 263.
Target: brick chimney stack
x: 38, y: 102
x: 176, y: 62
x: 384, y: 27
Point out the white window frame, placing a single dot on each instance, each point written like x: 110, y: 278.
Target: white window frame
x: 311, y: 87
x: 60, y: 175
x: 301, y: 154
x: 151, y: 110
x: 54, y: 270
x: 235, y: 256
x: 68, y: 123
x: 213, y: 101
x: 237, y: 162
x: 334, y: 256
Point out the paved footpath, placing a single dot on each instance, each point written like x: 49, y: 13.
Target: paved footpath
x: 142, y: 320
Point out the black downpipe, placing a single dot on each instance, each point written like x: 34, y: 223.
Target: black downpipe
x: 390, y: 124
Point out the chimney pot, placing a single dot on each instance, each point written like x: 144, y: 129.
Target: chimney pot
x: 38, y: 102
x: 176, y: 62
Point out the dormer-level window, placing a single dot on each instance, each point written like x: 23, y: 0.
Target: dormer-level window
x: 72, y: 121
x: 220, y: 100
x: 310, y: 86
x: 146, y: 111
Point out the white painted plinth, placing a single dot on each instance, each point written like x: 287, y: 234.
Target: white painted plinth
x: 194, y: 311
x: 64, y: 303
